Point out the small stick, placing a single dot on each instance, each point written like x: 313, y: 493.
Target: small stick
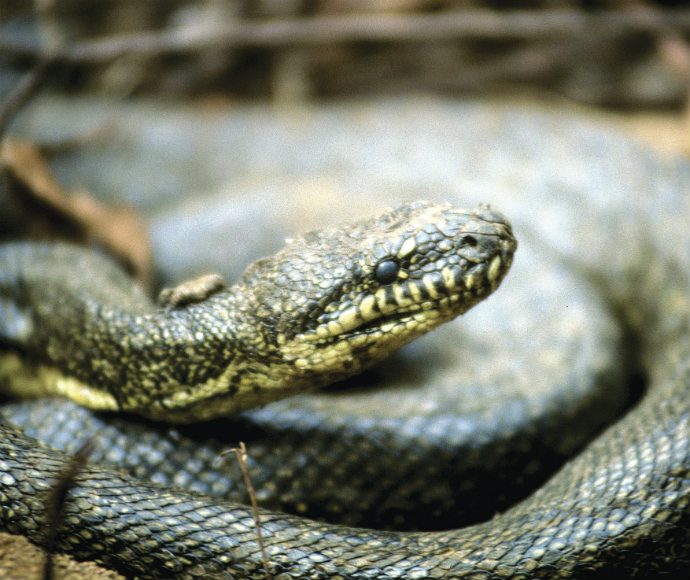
x: 330, y: 29
x: 23, y: 92
x: 55, y: 503
x: 241, y: 454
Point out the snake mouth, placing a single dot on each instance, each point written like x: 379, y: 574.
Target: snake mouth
x: 361, y: 333
x: 338, y: 353
x: 415, y: 316
x: 404, y: 311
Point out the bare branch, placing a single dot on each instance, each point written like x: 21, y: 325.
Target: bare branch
x: 55, y: 503
x: 365, y: 28
x: 22, y: 93
x: 241, y: 454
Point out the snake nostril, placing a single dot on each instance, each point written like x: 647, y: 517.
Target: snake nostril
x: 469, y: 241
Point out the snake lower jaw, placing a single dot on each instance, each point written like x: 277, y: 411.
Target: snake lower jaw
x: 353, y: 351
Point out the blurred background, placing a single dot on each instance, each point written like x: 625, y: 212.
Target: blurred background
x: 627, y: 55
x: 625, y: 60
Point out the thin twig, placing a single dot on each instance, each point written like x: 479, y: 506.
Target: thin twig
x: 23, y: 92
x: 87, y: 138
x: 318, y: 30
x: 55, y: 503
x: 241, y: 454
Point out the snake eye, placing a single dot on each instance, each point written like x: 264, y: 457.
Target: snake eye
x: 387, y: 271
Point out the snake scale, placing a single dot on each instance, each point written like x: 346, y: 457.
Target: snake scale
x: 603, y: 263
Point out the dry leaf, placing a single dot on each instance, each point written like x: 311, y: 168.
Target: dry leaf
x: 77, y: 216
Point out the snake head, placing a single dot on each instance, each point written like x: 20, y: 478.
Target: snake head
x: 339, y: 299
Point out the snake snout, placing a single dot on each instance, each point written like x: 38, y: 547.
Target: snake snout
x: 485, y: 234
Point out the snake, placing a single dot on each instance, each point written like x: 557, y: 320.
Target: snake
x: 613, y: 272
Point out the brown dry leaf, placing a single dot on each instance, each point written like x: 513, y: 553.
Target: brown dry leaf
x: 19, y: 560
x: 78, y: 216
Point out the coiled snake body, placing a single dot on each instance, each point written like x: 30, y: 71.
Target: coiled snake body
x: 622, y: 504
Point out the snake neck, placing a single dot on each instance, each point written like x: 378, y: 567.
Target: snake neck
x: 198, y: 361
x: 161, y: 363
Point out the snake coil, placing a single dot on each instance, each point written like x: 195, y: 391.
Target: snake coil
x: 621, y: 505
